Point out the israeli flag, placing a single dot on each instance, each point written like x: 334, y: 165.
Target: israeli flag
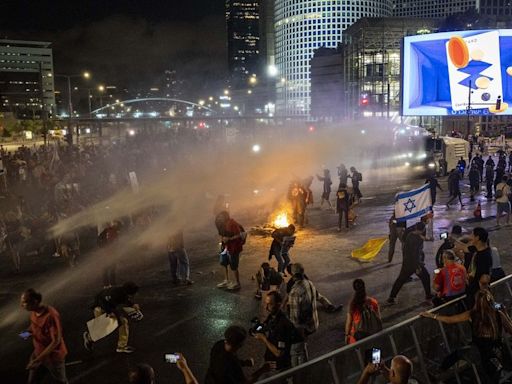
x: 415, y: 203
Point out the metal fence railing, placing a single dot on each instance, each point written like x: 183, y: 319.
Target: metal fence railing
x: 425, y: 342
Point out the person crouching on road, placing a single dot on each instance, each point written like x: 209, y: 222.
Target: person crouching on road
x: 117, y: 302
x: 283, y: 240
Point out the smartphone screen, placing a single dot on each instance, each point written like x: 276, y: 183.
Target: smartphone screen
x: 25, y: 335
x: 436, y: 271
x: 443, y: 235
x: 172, y: 358
x: 376, y: 356
x: 498, y: 306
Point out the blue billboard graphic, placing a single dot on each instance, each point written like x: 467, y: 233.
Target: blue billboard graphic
x: 456, y: 73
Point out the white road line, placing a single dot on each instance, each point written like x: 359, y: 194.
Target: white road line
x: 174, y: 325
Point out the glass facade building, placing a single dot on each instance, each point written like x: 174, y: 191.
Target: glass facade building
x: 243, y: 27
x: 26, y: 78
x: 301, y: 26
x: 432, y: 8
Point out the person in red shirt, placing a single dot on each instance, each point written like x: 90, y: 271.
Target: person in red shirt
x: 232, y: 245
x: 49, y: 348
x: 449, y: 281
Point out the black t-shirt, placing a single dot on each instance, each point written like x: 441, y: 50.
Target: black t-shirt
x: 483, y: 264
x: 109, y: 298
x: 224, y: 367
x: 282, y: 334
x: 413, y: 249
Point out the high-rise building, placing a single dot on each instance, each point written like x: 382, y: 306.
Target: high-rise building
x: 302, y: 26
x: 432, y: 8
x: 243, y: 26
x: 26, y: 78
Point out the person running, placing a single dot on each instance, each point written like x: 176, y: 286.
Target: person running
x: 413, y: 263
x: 433, y: 185
x: 50, y: 349
x: 356, y: 177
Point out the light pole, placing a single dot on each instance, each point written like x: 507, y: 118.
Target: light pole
x: 85, y: 75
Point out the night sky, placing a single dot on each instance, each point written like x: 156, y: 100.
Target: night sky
x: 126, y: 42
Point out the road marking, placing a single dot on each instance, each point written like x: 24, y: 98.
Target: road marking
x: 83, y: 374
x: 174, y: 325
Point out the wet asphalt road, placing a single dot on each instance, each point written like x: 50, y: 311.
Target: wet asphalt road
x: 191, y: 319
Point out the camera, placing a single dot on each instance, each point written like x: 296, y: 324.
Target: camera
x: 171, y: 358
x: 257, y: 327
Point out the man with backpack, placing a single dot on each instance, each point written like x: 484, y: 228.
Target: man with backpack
x: 233, y: 238
x: 302, y: 310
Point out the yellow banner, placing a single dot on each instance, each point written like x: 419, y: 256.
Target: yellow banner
x: 371, y: 249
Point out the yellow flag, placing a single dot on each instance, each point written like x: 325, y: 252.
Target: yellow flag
x: 371, y: 249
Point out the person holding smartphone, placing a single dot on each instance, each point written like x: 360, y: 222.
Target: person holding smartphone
x: 49, y: 347
x: 399, y: 372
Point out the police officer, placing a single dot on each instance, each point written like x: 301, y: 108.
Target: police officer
x: 279, y: 334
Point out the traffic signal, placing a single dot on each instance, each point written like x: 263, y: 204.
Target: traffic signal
x: 364, y: 100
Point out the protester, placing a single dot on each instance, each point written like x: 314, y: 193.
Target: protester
x: 326, y: 192
x: 268, y: 279
x: 433, y: 185
x: 225, y: 367
x: 399, y: 373
x: 303, y: 312
x: 454, y: 187
x: 232, y: 245
x: 502, y: 200
x: 327, y: 304
x: 106, y: 238
x: 396, y: 232
x: 450, y: 280
x: 488, y: 320
x: 277, y: 334
x: 297, y: 197
x: 356, y: 177
x: 342, y: 174
x: 363, y: 316
x: 481, y: 261
x: 283, y: 240
x: 178, y: 259
x: 448, y: 243
x: 117, y: 302
x: 342, y: 205
x: 49, y: 347
x: 412, y: 263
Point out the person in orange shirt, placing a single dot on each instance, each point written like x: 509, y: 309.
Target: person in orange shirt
x: 449, y: 281
x: 354, y: 330
x: 49, y: 347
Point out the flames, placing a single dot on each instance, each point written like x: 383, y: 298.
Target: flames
x: 281, y: 220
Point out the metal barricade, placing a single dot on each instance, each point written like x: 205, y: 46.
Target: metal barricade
x: 424, y: 341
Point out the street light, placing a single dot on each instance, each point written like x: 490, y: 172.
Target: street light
x: 85, y: 75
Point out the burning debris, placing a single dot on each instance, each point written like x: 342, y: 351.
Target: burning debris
x: 280, y: 219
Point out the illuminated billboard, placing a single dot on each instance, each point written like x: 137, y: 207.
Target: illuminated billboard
x: 456, y: 73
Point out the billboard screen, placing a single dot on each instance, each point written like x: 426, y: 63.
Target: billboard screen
x: 445, y: 73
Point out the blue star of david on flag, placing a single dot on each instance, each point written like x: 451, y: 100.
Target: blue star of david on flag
x: 412, y: 204
x: 409, y: 205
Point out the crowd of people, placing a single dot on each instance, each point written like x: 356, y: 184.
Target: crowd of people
x: 68, y: 180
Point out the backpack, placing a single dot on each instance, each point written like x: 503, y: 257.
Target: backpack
x: 360, y: 176
x: 243, y: 234
x: 369, y: 323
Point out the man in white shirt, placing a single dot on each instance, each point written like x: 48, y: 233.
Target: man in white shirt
x: 502, y: 202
